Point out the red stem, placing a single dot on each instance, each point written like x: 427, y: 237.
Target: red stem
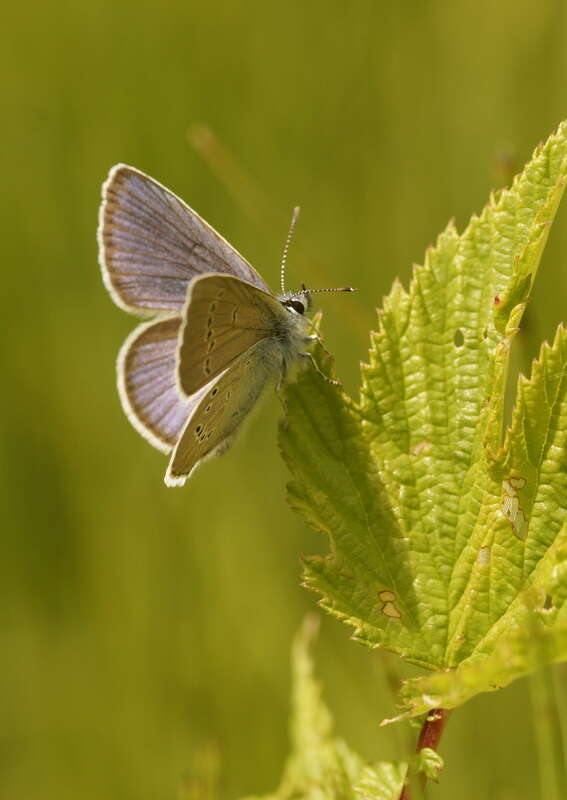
x: 429, y: 736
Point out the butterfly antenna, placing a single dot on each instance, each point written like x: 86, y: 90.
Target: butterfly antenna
x: 305, y: 290
x: 294, y: 219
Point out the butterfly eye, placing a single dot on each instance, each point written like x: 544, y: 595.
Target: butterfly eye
x: 296, y: 305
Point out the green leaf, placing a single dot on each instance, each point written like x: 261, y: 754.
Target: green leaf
x: 382, y: 781
x: 445, y: 533
x: 429, y: 763
x: 536, y: 636
x: 322, y: 767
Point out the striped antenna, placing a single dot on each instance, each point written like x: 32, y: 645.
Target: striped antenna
x: 294, y: 219
x: 305, y: 290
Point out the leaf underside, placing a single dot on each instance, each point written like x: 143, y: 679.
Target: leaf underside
x: 447, y: 542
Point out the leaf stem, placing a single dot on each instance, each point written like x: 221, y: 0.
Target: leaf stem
x: 549, y: 738
x: 429, y: 736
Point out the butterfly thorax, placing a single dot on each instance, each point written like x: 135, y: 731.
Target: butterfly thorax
x: 293, y: 327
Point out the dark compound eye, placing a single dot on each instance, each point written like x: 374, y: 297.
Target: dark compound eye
x: 296, y: 305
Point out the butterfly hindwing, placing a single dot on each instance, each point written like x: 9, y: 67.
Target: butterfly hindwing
x: 152, y: 244
x: 223, y: 406
x: 223, y: 317
x: 147, y: 384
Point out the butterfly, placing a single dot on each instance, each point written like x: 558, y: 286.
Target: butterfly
x: 189, y: 377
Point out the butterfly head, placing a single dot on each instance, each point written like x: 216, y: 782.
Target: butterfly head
x: 304, y: 296
x: 296, y: 302
x: 300, y: 302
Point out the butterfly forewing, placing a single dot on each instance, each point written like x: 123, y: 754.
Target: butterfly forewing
x: 223, y: 406
x: 147, y: 383
x: 152, y: 244
x: 223, y: 318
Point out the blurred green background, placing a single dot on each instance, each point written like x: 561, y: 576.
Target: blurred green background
x: 145, y: 631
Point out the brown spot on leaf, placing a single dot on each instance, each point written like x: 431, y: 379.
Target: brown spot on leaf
x: 389, y: 608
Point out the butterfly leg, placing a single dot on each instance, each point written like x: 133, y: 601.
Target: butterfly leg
x: 281, y: 378
x: 314, y: 337
x: 322, y: 374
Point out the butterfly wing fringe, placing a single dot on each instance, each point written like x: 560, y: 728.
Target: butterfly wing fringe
x: 147, y: 385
